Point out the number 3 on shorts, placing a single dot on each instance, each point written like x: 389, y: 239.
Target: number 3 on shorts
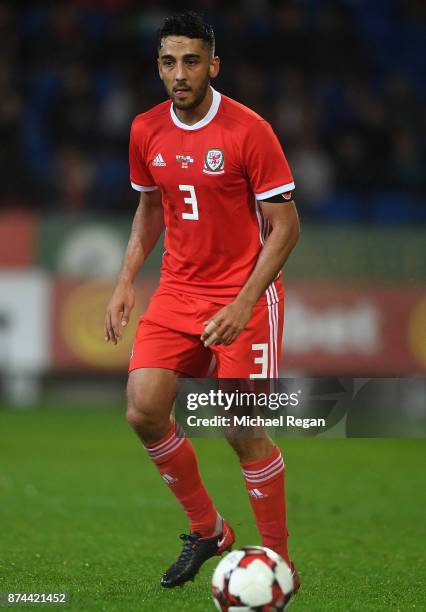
x: 192, y: 200
x: 261, y: 359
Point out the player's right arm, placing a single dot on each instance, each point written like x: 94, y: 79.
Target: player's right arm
x: 148, y: 223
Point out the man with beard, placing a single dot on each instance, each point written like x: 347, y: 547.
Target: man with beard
x: 213, y: 173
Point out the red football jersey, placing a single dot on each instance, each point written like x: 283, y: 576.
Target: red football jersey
x: 211, y: 175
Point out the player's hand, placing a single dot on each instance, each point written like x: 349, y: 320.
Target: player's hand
x: 227, y: 324
x: 118, y: 311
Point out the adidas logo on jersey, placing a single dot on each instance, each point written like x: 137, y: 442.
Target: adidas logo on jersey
x: 158, y: 160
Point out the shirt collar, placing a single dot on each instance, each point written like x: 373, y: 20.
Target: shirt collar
x: 211, y: 113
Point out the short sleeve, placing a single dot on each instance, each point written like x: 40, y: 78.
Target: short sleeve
x: 140, y: 177
x: 266, y: 165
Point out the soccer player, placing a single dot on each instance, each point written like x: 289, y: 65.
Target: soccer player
x: 212, y: 172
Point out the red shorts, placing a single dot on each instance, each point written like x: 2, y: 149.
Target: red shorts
x: 168, y: 336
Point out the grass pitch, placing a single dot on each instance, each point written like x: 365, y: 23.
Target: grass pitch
x: 82, y: 510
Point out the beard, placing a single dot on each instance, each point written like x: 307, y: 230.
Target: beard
x: 195, y: 100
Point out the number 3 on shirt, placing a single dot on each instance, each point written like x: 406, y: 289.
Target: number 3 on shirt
x: 192, y: 200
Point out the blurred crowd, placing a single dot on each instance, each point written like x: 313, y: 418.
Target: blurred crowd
x: 342, y: 82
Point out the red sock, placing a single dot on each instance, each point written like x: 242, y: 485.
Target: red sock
x: 265, y: 486
x: 175, y: 459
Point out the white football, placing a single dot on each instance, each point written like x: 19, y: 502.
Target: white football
x: 252, y: 578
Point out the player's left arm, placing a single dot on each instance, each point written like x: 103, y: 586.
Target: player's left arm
x: 228, y: 323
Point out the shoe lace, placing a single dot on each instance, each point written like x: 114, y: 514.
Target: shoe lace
x: 190, y: 543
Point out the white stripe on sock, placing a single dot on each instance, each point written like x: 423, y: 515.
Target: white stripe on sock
x: 264, y: 469
x: 176, y: 443
x: 263, y: 479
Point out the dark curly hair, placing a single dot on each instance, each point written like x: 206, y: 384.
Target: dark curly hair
x: 188, y: 24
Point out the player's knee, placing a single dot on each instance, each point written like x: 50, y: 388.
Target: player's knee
x: 147, y: 427
x: 140, y: 416
x: 148, y: 408
x: 133, y: 417
x: 144, y: 416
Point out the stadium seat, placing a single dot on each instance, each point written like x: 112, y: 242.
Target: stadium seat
x: 392, y: 208
x: 342, y: 207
